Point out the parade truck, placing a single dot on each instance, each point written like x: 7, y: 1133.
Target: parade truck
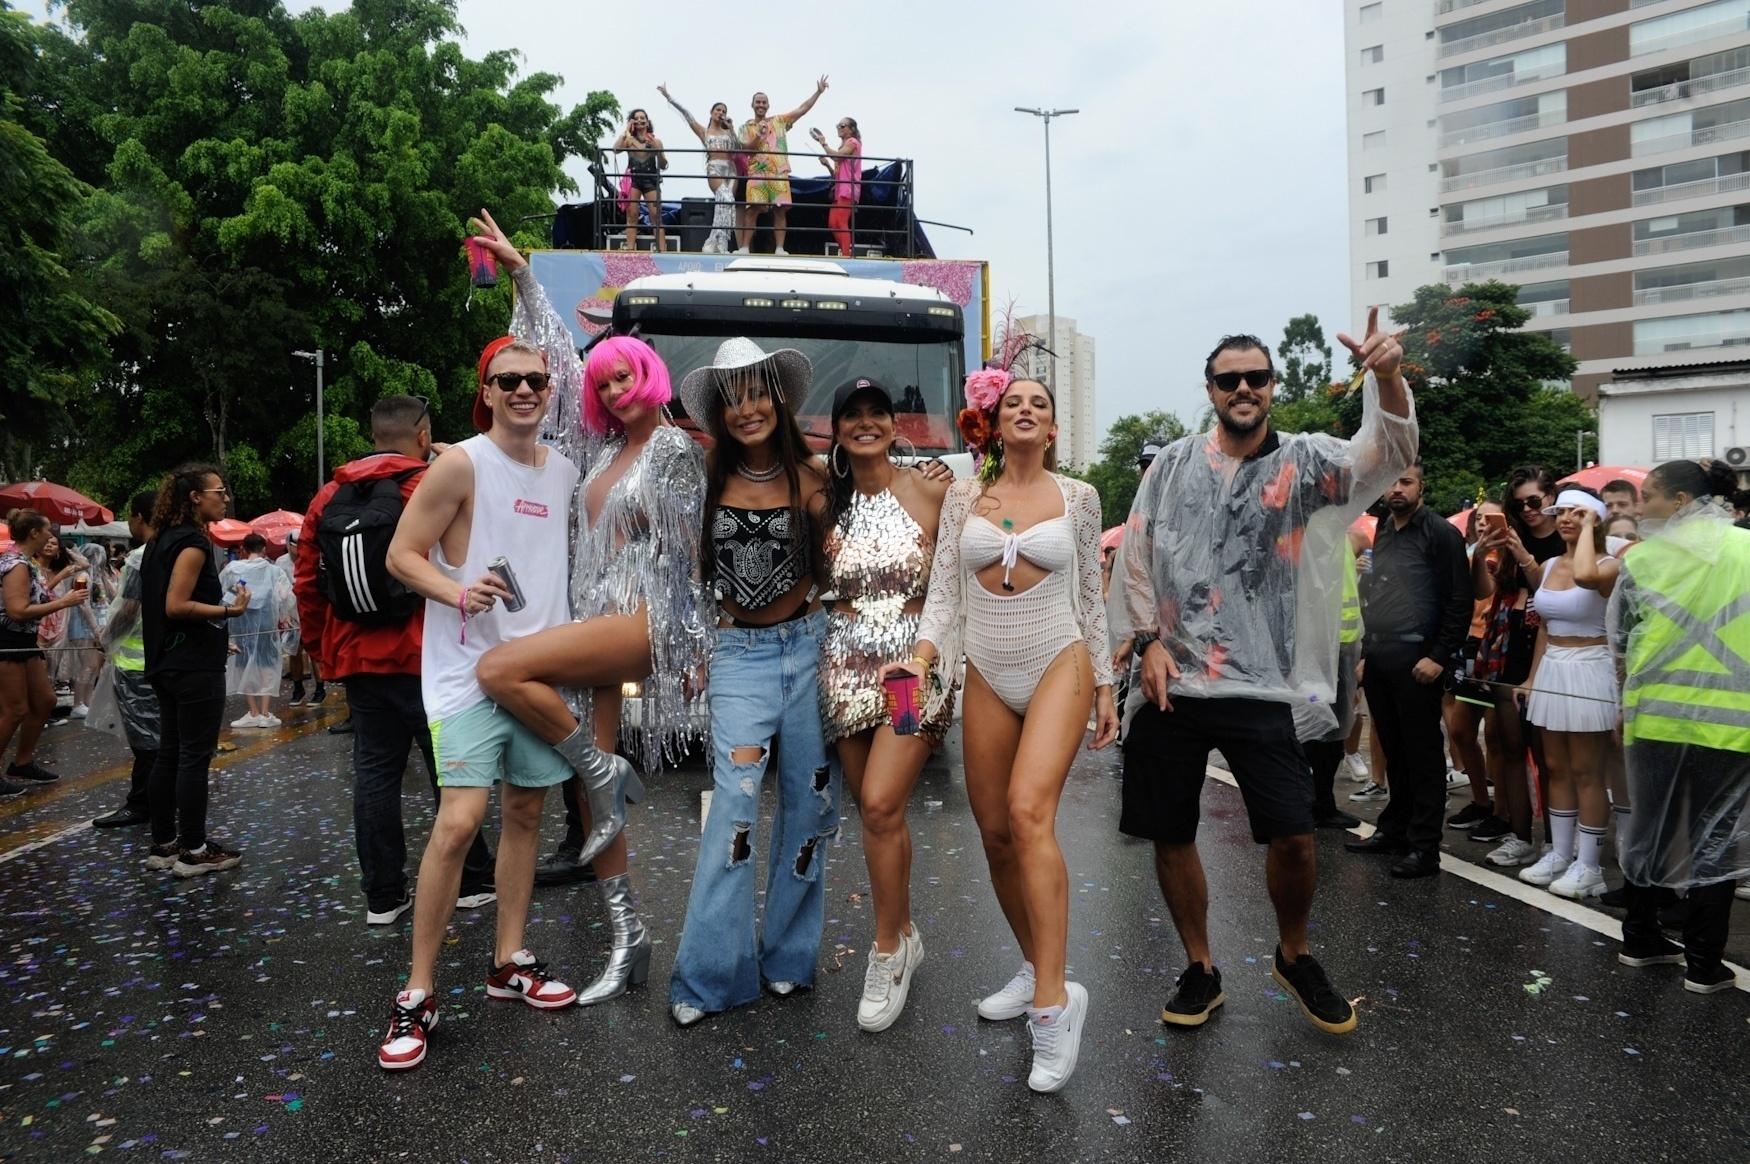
x: 915, y: 325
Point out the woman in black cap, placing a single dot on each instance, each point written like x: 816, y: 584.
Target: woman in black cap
x: 879, y: 545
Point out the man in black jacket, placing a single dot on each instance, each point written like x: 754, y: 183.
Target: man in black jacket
x: 1416, y: 606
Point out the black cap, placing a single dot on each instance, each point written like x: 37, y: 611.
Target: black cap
x: 861, y: 385
x: 1151, y: 448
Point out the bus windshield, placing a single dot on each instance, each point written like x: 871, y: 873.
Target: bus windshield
x: 923, y: 377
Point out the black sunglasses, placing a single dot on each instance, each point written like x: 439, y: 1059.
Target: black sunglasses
x: 424, y: 411
x: 1255, y: 378
x: 1535, y: 501
x: 510, y: 381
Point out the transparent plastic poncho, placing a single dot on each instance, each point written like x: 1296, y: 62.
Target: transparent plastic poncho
x: 1239, y: 563
x: 122, y: 701
x: 254, y: 666
x: 1679, y: 617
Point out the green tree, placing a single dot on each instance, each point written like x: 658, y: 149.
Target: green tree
x: 1305, y: 358
x: 1485, y: 400
x: 268, y: 182
x: 1115, y: 474
x: 53, y: 335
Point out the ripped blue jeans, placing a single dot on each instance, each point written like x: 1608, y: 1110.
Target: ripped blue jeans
x: 765, y: 704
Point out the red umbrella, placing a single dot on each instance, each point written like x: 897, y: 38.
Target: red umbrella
x: 61, y: 505
x: 1461, y: 520
x: 275, y: 526
x: 1366, y: 523
x: 1597, y: 476
x: 1112, y: 538
x: 228, y: 531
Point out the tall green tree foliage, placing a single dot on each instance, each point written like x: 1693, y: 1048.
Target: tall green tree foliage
x: 1484, y: 395
x: 268, y: 182
x: 1115, y: 474
x: 1304, y: 400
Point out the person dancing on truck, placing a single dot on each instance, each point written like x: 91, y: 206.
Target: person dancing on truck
x: 645, y: 162
x: 845, y: 162
x: 768, y: 167
x: 718, y: 138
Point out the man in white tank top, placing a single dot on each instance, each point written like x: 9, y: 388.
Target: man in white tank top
x: 500, y: 494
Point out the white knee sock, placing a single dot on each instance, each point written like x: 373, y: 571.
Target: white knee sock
x: 1562, y: 822
x: 1591, y: 845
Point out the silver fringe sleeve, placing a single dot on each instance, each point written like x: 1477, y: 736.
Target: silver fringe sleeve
x: 533, y: 318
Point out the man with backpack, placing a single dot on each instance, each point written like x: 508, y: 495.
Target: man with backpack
x: 363, y: 628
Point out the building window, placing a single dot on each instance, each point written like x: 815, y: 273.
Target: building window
x: 1379, y: 270
x: 1371, y: 12
x: 1721, y: 18
x: 1372, y: 97
x: 1373, y: 184
x: 1683, y: 436
x: 1373, y: 54
x: 1374, y: 140
x: 1462, y: 81
x: 1682, y: 333
x: 1375, y: 227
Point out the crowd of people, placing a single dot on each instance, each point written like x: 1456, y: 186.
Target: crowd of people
x: 820, y: 618
x: 747, y: 169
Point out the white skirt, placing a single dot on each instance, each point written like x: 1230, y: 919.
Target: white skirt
x: 1574, y: 690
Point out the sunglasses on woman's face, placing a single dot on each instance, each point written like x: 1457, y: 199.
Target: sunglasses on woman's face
x: 1535, y: 501
x: 1256, y: 378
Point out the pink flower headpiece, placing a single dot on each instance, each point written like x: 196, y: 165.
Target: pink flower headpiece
x: 985, y: 387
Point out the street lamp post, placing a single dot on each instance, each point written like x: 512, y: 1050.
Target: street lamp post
x: 1045, y: 116
x: 321, y: 456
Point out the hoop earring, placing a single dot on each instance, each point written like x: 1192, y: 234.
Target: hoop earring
x: 833, y: 460
x: 912, y: 456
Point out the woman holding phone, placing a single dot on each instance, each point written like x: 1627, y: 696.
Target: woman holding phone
x: 845, y: 162
x: 718, y: 138
x: 27, y: 695
x: 880, y: 545
x: 645, y: 162
x: 1017, y: 582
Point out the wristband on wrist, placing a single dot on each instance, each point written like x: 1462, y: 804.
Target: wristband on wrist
x: 1142, y: 640
x: 927, y: 664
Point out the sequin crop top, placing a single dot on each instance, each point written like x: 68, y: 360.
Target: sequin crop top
x: 760, y: 555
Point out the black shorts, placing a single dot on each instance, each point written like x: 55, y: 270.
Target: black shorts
x: 19, y: 646
x: 1166, y: 753
x: 646, y: 183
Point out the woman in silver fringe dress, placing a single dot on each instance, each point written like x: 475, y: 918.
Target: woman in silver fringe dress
x: 877, y: 552
x: 641, y: 615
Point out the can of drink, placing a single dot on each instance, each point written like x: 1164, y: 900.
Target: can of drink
x: 905, y: 705
x: 500, y: 568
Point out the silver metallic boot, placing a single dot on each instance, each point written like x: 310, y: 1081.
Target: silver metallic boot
x: 606, y: 778
x: 629, y: 960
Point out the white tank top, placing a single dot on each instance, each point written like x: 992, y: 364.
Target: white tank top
x: 520, y: 512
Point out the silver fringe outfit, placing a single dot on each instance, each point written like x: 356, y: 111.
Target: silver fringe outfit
x: 877, y: 560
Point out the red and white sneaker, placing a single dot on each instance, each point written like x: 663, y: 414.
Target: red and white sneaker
x: 404, y: 1044
x: 525, y: 978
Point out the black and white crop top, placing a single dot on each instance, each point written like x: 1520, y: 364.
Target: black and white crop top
x: 760, y: 554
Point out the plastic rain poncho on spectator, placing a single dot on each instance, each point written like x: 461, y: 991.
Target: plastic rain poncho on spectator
x: 122, y: 702
x: 255, y: 664
x: 1239, y: 564
x: 1680, y: 619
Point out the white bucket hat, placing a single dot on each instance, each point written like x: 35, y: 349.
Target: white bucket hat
x: 701, y: 389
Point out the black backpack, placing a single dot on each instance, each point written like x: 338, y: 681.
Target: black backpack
x: 353, y: 536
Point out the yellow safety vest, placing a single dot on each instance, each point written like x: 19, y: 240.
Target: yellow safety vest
x: 1686, y: 609
x: 129, y: 652
x: 1350, y: 627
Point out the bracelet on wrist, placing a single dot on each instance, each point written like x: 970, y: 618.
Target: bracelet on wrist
x: 927, y: 664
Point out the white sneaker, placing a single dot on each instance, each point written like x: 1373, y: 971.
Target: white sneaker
x: 1013, y: 999
x: 1742, y: 892
x: 81, y: 711
x: 1456, y: 779
x: 247, y: 721
x: 388, y: 917
x: 1055, y: 1046
x: 887, y: 983
x: 1579, y: 882
x: 1371, y: 792
x: 1512, y: 852
x: 270, y: 720
x: 780, y: 251
x: 1357, y: 765
x: 741, y: 250
x: 1548, y: 868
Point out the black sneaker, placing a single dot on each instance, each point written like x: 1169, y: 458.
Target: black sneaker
x: 1709, y: 979
x: 387, y: 913
x: 11, y: 787
x: 122, y: 817
x: 297, y: 699
x: 343, y: 728
x: 1305, y: 980
x: 1198, y: 995
x: 1491, y: 831
x: 1655, y: 951
x: 1471, y: 816
x: 32, y: 772
x: 213, y: 858
x: 561, y: 868
x: 318, y: 695
x: 1614, y: 898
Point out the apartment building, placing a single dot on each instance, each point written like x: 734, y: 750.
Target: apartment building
x: 1078, y: 430
x: 1595, y: 152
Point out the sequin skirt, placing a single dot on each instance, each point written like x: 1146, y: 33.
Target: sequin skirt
x: 851, y: 657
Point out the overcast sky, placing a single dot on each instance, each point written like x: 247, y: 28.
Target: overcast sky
x: 1199, y: 191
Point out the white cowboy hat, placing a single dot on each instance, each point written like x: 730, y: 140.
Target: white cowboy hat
x: 701, y: 394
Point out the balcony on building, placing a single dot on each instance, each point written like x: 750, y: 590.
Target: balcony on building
x: 1462, y: 82
x: 1500, y: 259
x: 1698, y: 178
x: 1507, y: 164
x: 1713, y: 279
x: 1685, y: 333
x: 1525, y: 206
x: 1509, y: 24
x: 1686, y: 80
x: 1695, y: 127
x: 1690, y: 26
x: 1503, y: 119
x: 1544, y: 299
x: 1692, y: 230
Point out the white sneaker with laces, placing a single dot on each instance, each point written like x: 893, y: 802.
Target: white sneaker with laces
x: 1512, y: 852
x: 886, y: 985
x: 247, y: 721
x: 81, y: 711
x: 1579, y: 882
x: 1057, y: 1044
x: 1357, y: 766
x: 1456, y: 779
x: 1547, y: 869
x: 1013, y: 999
x: 780, y: 251
x: 270, y: 720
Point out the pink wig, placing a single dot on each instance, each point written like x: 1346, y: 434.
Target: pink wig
x: 651, y: 386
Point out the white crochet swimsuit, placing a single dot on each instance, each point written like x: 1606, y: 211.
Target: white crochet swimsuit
x: 1013, y: 638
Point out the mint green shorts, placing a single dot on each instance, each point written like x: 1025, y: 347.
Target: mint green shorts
x: 481, y: 745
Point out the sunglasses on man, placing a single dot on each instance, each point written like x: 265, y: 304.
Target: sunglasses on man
x: 508, y: 382
x: 1255, y: 379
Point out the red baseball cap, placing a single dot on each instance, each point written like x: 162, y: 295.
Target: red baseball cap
x: 482, y: 410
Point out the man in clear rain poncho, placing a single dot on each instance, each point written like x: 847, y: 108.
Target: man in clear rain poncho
x: 1232, y: 568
